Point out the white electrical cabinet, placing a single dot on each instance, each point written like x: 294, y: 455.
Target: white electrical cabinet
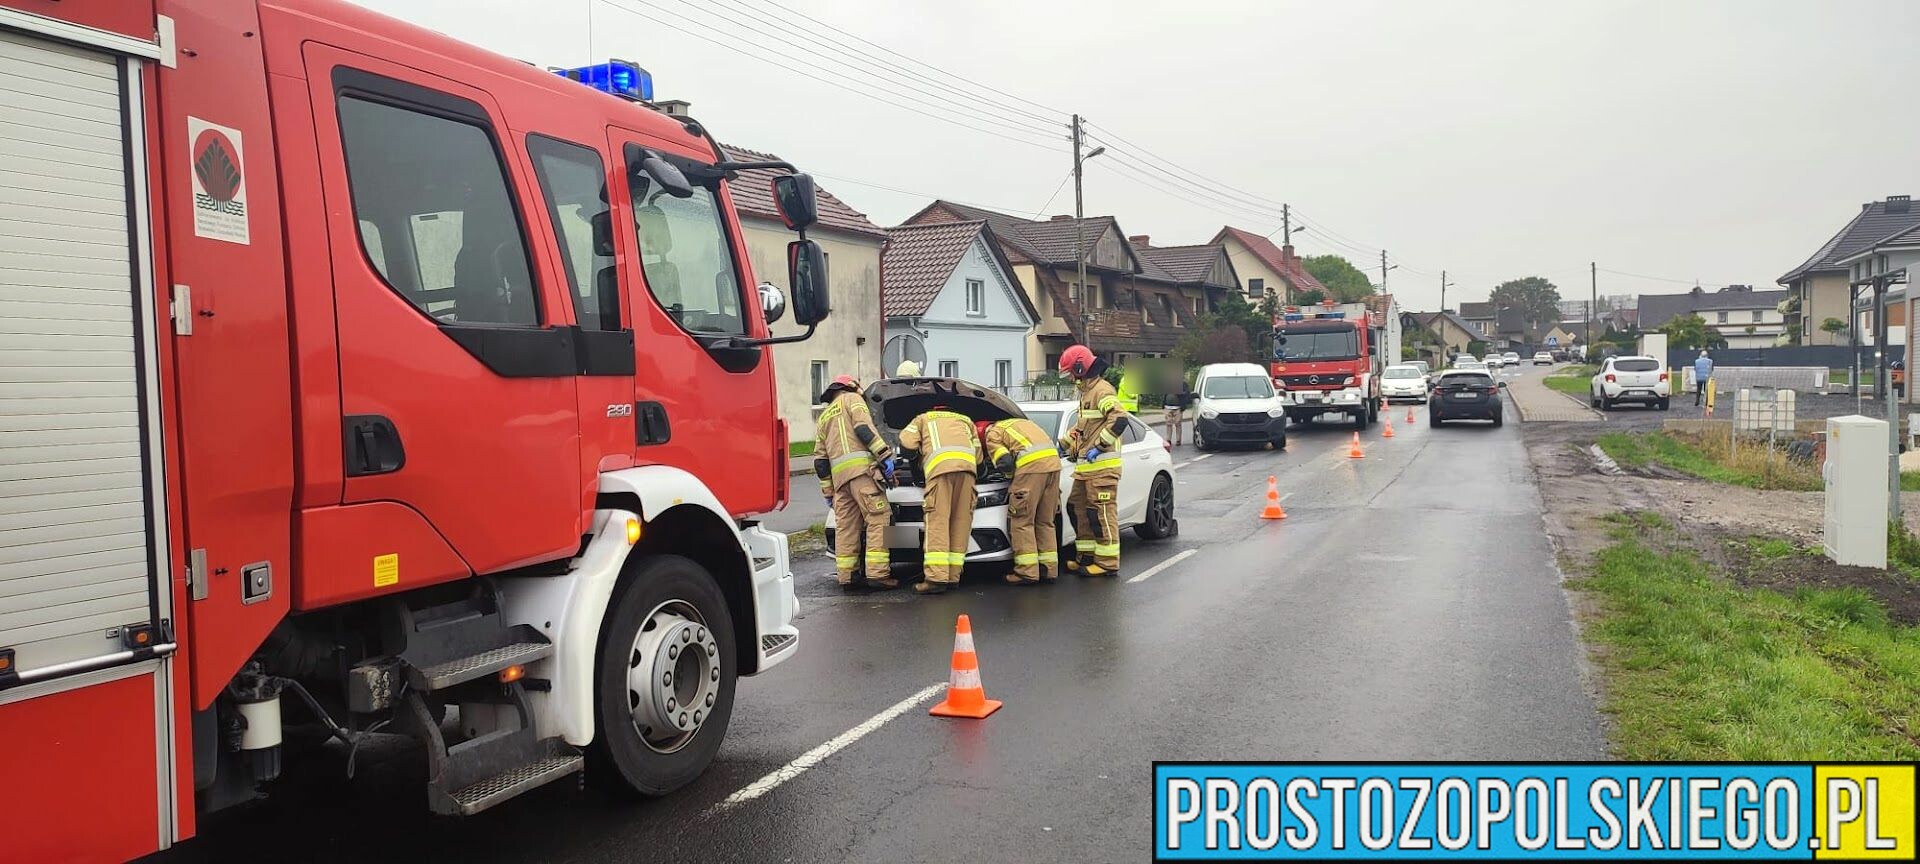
x: 1856, y: 481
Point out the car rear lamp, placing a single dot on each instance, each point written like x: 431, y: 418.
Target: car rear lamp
x: 1663, y: 376
x: 622, y: 78
x: 1610, y: 379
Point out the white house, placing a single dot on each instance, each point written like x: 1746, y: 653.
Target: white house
x: 1889, y: 255
x: 952, y: 304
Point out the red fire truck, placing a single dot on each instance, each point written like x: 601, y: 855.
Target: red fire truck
x: 354, y: 380
x: 1326, y: 361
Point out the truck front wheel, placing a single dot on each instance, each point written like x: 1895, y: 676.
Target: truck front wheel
x: 664, y: 679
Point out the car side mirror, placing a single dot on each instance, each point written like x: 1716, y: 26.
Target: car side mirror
x: 807, y: 276
x: 797, y: 199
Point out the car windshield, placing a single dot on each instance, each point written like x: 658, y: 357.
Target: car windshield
x: 1048, y: 421
x: 1402, y: 372
x: 1471, y: 379
x: 1238, y: 387
x: 1636, y: 364
x: 1326, y: 345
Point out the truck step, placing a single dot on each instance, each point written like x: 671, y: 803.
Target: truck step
x: 513, y: 781
x: 461, y: 669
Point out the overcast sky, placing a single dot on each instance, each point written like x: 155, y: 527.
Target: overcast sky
x: 1682, y: 139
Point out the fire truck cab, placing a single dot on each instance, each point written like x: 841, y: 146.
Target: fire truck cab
x: 1327, y: 359
x: 355, y: 380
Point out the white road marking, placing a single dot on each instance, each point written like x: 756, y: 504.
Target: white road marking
x: 819, y: 754
x: 1194, y: 459
x: 1283, y: 498
x: 1150, y: 571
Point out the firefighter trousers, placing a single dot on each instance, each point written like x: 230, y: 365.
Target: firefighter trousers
x: 949, y: 514
x: 1096, y: 519
x: 1032, y: 504
x: 860, y: 513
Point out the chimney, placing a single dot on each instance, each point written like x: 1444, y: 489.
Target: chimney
x: 1064, y: 217
x: 1141, y: 240
x: 673, y: 107
x: 1899, y: 203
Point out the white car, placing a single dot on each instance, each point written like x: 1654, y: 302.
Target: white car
x: 1542, y: 358
x: 1511, y: 358
x: 1469, y: 363
x: 1493, y: 361
x: 1639, y: 379
x: 1403, y: 381
x: 1146, y: 477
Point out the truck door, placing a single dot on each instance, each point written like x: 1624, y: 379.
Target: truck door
x: 457, y: 364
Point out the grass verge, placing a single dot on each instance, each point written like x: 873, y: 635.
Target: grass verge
x: 1573, y: 380
x: 1711, y: 458
x: 800, y: 448
x: 1700, y: 669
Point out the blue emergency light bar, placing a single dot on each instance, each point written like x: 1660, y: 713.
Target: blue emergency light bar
x: 620, y: 77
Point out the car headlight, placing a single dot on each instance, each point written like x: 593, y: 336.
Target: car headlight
x: 1348, y: 382
x: 1209, y: 413
x: 1276, y: 412
x: 995, y: 498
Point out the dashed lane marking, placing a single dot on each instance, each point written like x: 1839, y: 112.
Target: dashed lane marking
x: 820, y: 754
x: 1150, y: 571
x: 1194, y: 459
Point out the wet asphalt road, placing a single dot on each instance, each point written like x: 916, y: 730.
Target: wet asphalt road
x: 1409, y: 608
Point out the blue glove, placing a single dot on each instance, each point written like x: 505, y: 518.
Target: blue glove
x: 1093, y: 454
x: 886, y: 467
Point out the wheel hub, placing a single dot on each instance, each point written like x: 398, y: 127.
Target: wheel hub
x: 673, y: 676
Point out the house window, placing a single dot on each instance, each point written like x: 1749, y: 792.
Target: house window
x: 1166, y: 305
x: 1723, y: 318
x: 1756, y: 315
x: 976, y: 297
x: 1256, y: 287
x: 1003, y: 374
x: 1073, y: 291
x: 1199, y: 307
x: 949, y: 368
x: 817, y: 373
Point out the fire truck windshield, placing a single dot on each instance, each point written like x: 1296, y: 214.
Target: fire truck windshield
x: 1324, y: 345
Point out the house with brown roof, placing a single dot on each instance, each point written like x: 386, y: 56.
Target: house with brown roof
x: 1129, y: 306
x: 952, y: 304
x: 848, y: 342
x: 1818, y: 289
x: 1264, y: 267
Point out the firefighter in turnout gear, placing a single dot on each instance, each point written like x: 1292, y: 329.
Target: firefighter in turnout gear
x: 851, y: 460
x: 1094, y: 442
x: 1021, y: 450
x: 949, y: 453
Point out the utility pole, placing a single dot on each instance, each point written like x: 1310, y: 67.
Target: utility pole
x: 1286, y: 225
x: 1593, y: 302
x: 1383, y: 271
x: 1443, y: 290
x: 1079, y: 230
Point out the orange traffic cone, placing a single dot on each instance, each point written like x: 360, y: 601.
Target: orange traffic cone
x: 1409, y: 415
x: 965, y: 696
x: 1386, y: 431
x: 1353, y: 450
x: 1273, y: 510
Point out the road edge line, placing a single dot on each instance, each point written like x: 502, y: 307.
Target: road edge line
x: 1150, y: 571
x: 773, y: 779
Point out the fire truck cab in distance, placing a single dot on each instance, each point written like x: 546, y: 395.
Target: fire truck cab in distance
x: 1327, y: 359
x: 353, y: 379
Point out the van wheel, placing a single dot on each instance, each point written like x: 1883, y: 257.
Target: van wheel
x: 1159, y: 523
x: 663, y: 680
x: 1200, y: 441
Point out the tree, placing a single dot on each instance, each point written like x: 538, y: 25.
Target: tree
x: 1833, y: 325
x: 1689, y: 332
x: 1536, y: 298
x: 1345, y: 281
x: 1309, y: 297
x: 1215, y: 343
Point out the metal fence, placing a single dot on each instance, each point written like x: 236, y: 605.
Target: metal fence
x: 1823, y: 356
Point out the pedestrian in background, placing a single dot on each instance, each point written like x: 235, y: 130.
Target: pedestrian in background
x: 1177, y: 402
x: 1020, y: 449
x: 1702, y: 373
x: 949, y: 455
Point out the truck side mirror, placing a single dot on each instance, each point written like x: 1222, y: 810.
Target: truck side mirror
x: 798, y: 201
x: 669, y: 176
x: 807, y: 276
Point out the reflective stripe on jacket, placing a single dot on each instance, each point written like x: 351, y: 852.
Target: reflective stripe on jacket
x: 946, y: 442
x: 836, y: 438
x: 1030, y: 446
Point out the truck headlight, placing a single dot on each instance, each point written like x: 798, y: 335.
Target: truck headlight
x: 1209, y: 413
x: 995, y: 498
x: 1276, y: 412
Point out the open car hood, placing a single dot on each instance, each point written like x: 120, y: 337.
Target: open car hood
x: 896, y: 401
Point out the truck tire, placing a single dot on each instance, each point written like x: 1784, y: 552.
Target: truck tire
x: 646, y: 742
x: 1373, y: 411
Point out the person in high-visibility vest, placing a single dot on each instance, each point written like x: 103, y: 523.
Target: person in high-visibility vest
x: 851, y: 459
x: 949, y: 455
x: 1019, y: 448
x: 1094, y: 444
x: 1129, y: 391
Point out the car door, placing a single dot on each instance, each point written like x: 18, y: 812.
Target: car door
x: 1136, y: 472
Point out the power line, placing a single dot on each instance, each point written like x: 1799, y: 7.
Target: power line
x: 1056, y: 194
x: 823, y: 31
x: 915, y: 193
x: 837, y: 84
